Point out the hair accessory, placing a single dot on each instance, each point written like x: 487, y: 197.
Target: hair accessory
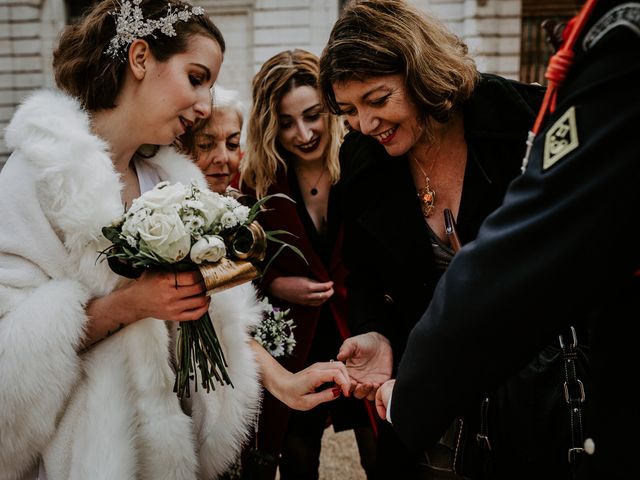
x: 130, y: 24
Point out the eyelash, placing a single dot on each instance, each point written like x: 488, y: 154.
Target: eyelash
x: 206, y: 147
x: 309, y: 118
x: 379, y: 102
x: 195, y: 80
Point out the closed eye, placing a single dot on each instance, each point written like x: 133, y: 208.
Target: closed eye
x: 196, y: 80
x: 377, y: 102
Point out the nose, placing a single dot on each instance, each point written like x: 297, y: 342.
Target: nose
x: 303, y: 131
x: 203, y: 104
x: 368, y: 123
x: 220, y: 154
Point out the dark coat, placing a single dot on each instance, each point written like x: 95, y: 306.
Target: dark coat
x: 387, y: 245
x: 543, y: 259
x: 319, y: 331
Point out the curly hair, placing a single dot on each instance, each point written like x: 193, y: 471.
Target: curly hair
x: 83, y: 69
x: 278, y: 76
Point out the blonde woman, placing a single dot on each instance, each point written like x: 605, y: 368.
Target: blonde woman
x: 292, y: 148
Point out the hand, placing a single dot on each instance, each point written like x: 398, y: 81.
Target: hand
x: 179, y: 296
x: 301, y: 290
x: 382, y: 398
x: 369, y: 361
x: 299, y: 392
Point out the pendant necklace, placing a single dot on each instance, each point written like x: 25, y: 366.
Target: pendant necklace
x: 314, y: 190
x: 426, y: 194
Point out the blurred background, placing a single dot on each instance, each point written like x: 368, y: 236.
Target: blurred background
x: 504, y: 36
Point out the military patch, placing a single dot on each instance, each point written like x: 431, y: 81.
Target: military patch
x: 561, y: 139
x: 624, y: 15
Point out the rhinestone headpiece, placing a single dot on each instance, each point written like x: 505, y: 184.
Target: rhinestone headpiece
x: 130, y: 24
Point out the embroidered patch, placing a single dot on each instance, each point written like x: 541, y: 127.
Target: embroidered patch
x: 561, y: 139
x: 625, y: 15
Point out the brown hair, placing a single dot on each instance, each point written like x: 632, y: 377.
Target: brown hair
x: 278, y: 76
x: 83, y: 69
x: 386, y: 37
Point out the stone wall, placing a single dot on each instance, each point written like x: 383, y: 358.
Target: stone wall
x: 254, y: 31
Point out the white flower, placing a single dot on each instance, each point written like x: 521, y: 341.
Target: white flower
x: 163, y: 195
x: 228, y: 220
x: 165, y: 235
x: 209, y: 248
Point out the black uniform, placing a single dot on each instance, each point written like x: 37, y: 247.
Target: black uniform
x: 565, y: 244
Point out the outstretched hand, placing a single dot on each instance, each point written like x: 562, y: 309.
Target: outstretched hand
x: 382, y: 398
x: 369, y: 361
x: 301, y: 388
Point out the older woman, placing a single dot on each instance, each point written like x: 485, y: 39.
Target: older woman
x: 434, y: 143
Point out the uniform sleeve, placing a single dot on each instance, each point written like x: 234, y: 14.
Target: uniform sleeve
x: 562, y: 243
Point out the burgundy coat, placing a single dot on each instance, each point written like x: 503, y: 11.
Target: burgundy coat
x: 283, y: 214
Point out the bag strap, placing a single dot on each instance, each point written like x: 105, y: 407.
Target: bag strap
x: 574, y: 395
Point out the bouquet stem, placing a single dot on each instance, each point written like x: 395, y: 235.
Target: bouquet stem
x: 199, y: 350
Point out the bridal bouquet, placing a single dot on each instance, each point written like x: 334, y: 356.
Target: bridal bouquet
x: 181, y: 227
x: 275, y: 331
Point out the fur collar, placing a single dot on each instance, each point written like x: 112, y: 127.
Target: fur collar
x: 76, y: 179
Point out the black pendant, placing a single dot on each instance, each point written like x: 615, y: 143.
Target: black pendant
x: 314, y: 191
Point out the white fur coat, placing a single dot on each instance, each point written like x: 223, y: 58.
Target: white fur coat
x: 110, y: 413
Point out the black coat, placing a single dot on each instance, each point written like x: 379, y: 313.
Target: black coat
x: 565, y: 244
x: 386, y: 245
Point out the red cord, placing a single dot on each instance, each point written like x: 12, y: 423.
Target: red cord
x: 561, y: 62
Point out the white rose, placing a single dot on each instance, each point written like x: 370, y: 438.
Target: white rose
x: 213, y: 207
x: 165, y: 235
x: 163, y: 195
x: 209, y: 248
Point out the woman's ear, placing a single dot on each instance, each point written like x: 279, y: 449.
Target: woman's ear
x: 139, y: 57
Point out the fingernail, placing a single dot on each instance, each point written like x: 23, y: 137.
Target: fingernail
x: 336, y: 391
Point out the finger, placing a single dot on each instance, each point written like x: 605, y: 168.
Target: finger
x: 347, y: 350
x: 192, y: 277
x: 186, y: 291
x: 312, y: 400
x: 381, y: 408
x: 364, y: 390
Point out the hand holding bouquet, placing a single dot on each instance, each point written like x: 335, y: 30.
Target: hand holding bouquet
x: 178, y: 227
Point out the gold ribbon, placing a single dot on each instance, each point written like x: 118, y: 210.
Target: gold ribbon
x: 248, y: 245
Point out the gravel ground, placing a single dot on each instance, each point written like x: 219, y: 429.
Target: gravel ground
x: 339, y: 458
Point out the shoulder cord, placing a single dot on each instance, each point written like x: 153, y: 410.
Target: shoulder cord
x: 557, y: 70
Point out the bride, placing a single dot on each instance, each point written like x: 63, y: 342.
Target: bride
x: 86, y: 355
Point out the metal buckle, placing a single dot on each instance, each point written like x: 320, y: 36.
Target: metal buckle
x: 575, y: 339
x: 566, y: 392
x: 483, y: 441
x: 572, y: 453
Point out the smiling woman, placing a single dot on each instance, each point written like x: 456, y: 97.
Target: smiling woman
x: 292, y: 148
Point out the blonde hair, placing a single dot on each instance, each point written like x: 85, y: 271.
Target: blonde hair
x: 387, y: 37
x: 278, y: 76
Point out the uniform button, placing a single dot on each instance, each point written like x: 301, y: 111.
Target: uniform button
x: 388, y: 299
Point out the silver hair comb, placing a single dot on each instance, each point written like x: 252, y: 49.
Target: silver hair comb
x: 130, y: 24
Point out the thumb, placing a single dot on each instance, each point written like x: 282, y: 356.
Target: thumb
x: 380, y: 406
x: 347, y: 350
